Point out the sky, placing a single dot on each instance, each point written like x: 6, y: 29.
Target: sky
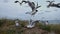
x: 12, y: 10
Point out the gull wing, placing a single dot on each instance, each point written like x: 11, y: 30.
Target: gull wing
x: 37, y: 6
x: 16, y: 1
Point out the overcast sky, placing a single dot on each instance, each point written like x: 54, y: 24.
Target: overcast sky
x: 10, y: 9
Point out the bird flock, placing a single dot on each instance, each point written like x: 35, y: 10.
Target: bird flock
x: 35, y: 7
x: 31, y: 5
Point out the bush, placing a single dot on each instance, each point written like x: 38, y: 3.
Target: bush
x: 38, y: 25
x: 10, y: 31
x: 47, y: 28
x: 56, y: 29
x: 2, y: 22
x: 41, y: 26
x: 23, y: 23
x: 10, y: 22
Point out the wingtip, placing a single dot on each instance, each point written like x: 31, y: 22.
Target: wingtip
x: 16, y: 1
x: 47, y: 1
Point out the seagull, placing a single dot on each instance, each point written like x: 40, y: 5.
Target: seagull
x: 46, y: 23
x: 51, y: 4
x: 31, y: 4
x: 33, y: 13
x: 32, y: 24
x: 16, y: 23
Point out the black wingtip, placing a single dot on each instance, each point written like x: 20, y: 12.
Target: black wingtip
x: 16, y: 1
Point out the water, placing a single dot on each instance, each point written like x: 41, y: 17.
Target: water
x: 53, y: 21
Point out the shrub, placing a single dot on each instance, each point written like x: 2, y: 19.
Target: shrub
x: 10, y: 31
x: 2, y: 21
x: 44, y: 27
x: 38, y: 25
x: 47, y: 28
x: 56, y: 29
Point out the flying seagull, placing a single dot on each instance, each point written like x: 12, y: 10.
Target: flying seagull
x: 31, y: 4
x: 32, y: 23
x: 33, y: 13
x: 51, y: 4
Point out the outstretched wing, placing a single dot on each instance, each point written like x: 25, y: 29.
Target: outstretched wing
x: 23, y: 1
x: 58, y: 4
x: 33, y: 3
x: 37, y: 6
x: 50, y: 1
x: 37, y: 3
x: 16, y: 1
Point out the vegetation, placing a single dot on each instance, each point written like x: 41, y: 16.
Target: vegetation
x: 56, y: 28
x: 7, y: 26
x: 41, y: 26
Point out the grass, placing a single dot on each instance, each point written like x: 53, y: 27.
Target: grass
x: 56, y: 28
x: 52, y: 27
x: 7, y: 26
x: 41, y: 26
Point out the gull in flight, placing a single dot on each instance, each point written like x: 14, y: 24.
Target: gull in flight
x: 51, y: 4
